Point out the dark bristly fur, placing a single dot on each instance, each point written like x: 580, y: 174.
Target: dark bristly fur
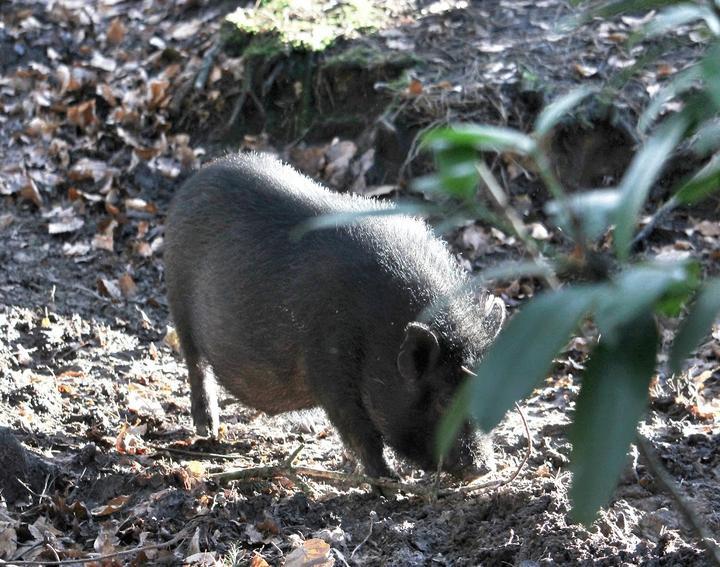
x: 330, y: 319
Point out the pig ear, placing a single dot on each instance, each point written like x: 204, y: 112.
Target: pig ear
x: 419, y: 351
x: 495, y: 312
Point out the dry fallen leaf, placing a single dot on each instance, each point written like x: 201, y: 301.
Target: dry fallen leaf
x: 116, y: 31
x: 142, y: 405
x: 195, y: 468
x: 204, y: 558
x: 129, y: 440
x: 142, y: 249
x: 709, y: 228
x: 103, y: 240
x: 39, y: 127
x: 338, y: 157
x: 111, y: 506
x: 65, y: 224
x: 85, y: 169
x: 135, y: 204
x: 72, y: 78
x: 8, y: 539
x: 172, y: 340
x: 157, y: 94
x: 30, y: 192
x: 168, y: 167
x: 43, y: 529
x: 22, y: 355
x: 107, y: 93
x: 186, y: 29
x: 538, y: 231
x: 109, y: 288
x: 193, y: 546
x: 258, y: 561
x: 6, y: 220
x: 99, y: 61
x: 415, y: 87
x: 75, y: 248
x: 104, y: 542
x: 585, y: 70
x: 128, y: 287
x: 82, y: 115
x: 313, y: 552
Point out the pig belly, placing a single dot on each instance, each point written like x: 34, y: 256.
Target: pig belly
x: 268, y: 389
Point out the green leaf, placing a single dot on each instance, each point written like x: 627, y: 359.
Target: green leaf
x: 679, y: 15
x: 679, y: 292
x: 554, y: 112
x: 702, y: 184
x: 697, y: 324
x: 682, y: 82
x: 612, y: 400
x: 706, y: 139
x: 458, y: 174
x: 593, y: 209
x: 335, y: 220
x: 494, y: 138
x: 639, y: 178
x: 711, y: 74
x: 615, y: 7
x: 453, y: 420
x: 514, y: 269
x: 428, y: 184
x: 636, y: 291
x: 523, y: 352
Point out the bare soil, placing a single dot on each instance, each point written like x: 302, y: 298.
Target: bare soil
x: 94, y: 393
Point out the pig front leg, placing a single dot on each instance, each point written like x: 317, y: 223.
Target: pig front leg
x: 336, y: 390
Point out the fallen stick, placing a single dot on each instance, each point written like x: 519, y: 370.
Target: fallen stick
x: 287, y: 469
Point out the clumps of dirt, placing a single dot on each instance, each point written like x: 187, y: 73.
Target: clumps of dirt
x: 24, y: 473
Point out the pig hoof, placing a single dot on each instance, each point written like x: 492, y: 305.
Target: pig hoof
x: 207, y: 427
x: 386, y: 491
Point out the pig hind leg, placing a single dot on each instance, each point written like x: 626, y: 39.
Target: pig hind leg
x: 203, y: 393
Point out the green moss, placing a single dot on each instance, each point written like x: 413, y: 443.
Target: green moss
x: 368, y: 58
x: 308, y: 25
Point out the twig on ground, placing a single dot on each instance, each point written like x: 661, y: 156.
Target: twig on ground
x: 199, y: 454
x: 659, y: 215
x: 237, y: 107
x: 181, y: 535
x: 52, y: 550
x: 498, y: 483
x: 373, y: 515
x: 663, y: 478
x: 287, y: 469
x: 528, y: 453
x: 511, y: 215
x: 415, y: 147
x: 207, y: 62
x: 78, y: 287
x: 271, y: 471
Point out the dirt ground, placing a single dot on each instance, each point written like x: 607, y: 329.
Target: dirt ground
x: 93, y: 391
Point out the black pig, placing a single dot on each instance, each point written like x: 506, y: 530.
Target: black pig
x: 337, y: 318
